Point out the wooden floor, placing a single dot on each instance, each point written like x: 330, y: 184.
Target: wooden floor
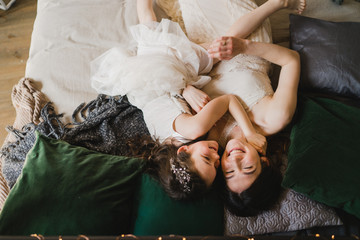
x: 15, y: 33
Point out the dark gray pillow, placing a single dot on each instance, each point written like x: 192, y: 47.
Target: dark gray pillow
x: 330, y: 55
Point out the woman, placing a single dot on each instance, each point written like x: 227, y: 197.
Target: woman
x: 252, y: 180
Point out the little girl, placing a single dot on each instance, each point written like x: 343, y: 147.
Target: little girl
x: 153, y: 80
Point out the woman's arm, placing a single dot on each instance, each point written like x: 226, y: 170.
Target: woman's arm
x: 273, y: 53
x: 288, y: 59
x: 274, y: 113
x: 250, y: 21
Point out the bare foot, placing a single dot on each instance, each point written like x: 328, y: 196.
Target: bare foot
x: 296, y: 5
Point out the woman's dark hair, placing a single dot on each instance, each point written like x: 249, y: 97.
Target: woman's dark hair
x: 266, y: 189
x: 260, y: 196
x: 168, y: 167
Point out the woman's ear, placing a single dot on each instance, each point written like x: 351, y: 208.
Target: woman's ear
x: 182, y: 148
x: 265, y: 160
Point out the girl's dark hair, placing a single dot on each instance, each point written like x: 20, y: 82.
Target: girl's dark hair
x: 260, y: 196
x: 159, y: 157
x: 266, y: 189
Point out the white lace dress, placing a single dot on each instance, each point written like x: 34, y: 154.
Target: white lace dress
x: 244, y: 76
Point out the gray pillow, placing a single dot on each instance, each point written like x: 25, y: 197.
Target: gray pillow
x: 294, y: 212
x: 330, y: 55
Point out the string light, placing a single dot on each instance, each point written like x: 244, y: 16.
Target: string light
x: 82, y: 236
x: 236, y: 236
x: 126, y: 236
x: 38, y: 236
x: 242, y: 236
x: 354, y: 236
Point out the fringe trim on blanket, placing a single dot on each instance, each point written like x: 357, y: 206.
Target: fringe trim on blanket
x: 4, y: 191
x: 95, y: 109
x: 14, y: 153
x: 28, y: 102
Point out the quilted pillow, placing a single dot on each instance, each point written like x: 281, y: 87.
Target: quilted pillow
x: 70, y: 190
x: 330, y: 55
x: 295, y: 211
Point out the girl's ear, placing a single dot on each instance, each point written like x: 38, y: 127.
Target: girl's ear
x: 182, y: 148
x: 265, y: 160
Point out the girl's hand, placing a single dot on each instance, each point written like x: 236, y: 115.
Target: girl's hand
x: 196, y: 98
x: 225, y: 48
x: 259, y: 142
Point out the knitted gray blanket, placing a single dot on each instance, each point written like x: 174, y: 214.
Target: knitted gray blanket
x: 104, y: 125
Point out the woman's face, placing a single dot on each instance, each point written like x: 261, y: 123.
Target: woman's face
x: 240, y: 164
x: 206, y: 159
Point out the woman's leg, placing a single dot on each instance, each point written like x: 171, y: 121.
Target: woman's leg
x: 247, y: 23
x: 145, y: 11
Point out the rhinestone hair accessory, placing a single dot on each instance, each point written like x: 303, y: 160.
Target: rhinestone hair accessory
x: 181, y: 175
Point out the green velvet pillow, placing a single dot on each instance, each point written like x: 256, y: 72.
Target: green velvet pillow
x: 70, y: 190
x: 323, y: 160
x: 158, y: 214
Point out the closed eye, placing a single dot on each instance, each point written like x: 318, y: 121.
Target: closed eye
x: 250, y: 172
x: 206, y: 159
x: 227, y: 174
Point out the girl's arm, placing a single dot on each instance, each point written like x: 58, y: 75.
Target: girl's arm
x: 194, y: 126
x: 145, y: 11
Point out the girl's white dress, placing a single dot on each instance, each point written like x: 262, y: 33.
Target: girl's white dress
x: 165, y: 62
x: 153, y: 78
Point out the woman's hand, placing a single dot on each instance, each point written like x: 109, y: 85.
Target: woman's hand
x: 259, y: 142
x: 225, y: 48
x: 196, y: 98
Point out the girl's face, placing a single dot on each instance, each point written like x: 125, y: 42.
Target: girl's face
x: 206, y: 159
x: 240, y: 164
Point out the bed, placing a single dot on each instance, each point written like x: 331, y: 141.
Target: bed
x: 67, y: 35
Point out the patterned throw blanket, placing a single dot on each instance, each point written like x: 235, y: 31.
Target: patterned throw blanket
x: 105, y: 125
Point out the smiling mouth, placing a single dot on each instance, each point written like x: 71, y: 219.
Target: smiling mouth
x: 236, y: 150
